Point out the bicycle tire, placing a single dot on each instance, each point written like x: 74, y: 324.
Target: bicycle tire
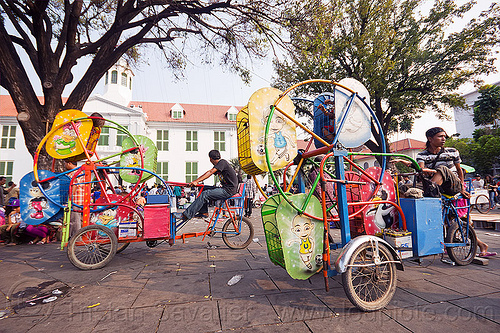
x: 237, y: 240
x: 92, y: 247
x: 370, y: 288
x: 121, y: 247
x: 483, y: 207
x: 461, y: 255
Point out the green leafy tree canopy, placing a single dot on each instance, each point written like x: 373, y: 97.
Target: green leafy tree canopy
x: 487, y: 106
x: 407, y: 60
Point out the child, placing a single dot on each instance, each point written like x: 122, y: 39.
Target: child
x: 329, y: 130
x: 95, y: 132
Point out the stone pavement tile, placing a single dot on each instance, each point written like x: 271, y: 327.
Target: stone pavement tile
x: 68, y: 323
x: 429, y: 291
x: 462, y: 285
x: 254, y: 282
x: 190, y: 317
x: 174, y: 289
x: 485, y: 306
x: 246, y: 312
x: 189, y: 268
x: 19, y: 324
x: 13, y: 274
x: 441, y: 317
x: 403, y: 299
x: 225, y: 253
x: 447, y: 269
x: 111, y: 296
x: 231, y: 265
x: 158, y: 270
x: 488, y: 278
x: 301, y: 305
x: 130, y: 320
x: 356, y: 322
x: 295, y: 327
x: 260, y: 262
x: 336, y: 300
x: 413, y: 272
x: 285, y: 283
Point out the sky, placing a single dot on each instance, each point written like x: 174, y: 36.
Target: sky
x: 205, y: 84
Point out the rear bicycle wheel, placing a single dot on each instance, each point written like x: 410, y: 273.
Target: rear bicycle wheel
x: 483, y: 204
x: 461, y: 255
x: 237, y: 239
x: 121, y: 247
x: 92, y: 247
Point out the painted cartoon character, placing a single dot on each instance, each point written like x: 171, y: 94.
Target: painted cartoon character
x: 383, y: 218
x: 106, y: 218
x: 133, y: 159
x: 280, y: 138
x: 302, y: 227
x: 38, y: 202
x: 65, y: 143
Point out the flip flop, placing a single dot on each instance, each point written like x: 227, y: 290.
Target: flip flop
x: 486, y: 254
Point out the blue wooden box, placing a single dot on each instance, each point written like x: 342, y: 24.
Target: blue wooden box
x: 424, y: 220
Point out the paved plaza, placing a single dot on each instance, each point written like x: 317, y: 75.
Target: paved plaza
x: 184, y: 288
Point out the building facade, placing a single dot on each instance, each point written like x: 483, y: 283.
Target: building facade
x: 183, y: 133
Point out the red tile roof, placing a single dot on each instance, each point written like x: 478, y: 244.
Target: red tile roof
x: 194, y: 113
x: 406, y: 144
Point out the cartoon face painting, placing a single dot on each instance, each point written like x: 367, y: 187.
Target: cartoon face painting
x: 279, y: 137
x: 133, y: 159
x: 65, y: 143
x: 38, y: 202
x: 302, y: 227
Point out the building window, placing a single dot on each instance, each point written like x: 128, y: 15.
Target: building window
x: 104, y: 137
x: 162, y: 171
x: 231, y: 116
x: 191, y: 141
x: 114, y: 77
x: 191, y: 171
x: 176, y: 114
x: 124, y: 79
x: 6, y: 168
x: 130, y: 83
x: 106, y: 78
x: 162, y: 139
x: 365, y: 165
x: 220, y: 141
x: 120, y: 136
x: 8, y: 137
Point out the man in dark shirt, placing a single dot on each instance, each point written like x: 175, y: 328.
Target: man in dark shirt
x: 228, y: 180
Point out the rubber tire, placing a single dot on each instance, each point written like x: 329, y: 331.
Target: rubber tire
x: 121, y: 247
x: 152, y: 243
x: 73, y: 249
x: 455, y: 252
x: 350, y: 287
x: 483, y: 208
x: 257, y: 204
x: 228, y: 238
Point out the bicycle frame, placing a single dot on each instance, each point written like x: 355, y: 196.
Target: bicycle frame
x: 450, y: 209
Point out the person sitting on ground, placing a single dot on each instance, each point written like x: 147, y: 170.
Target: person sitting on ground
x: 228, y: 180
x: 442, y: 164
x: 8, y: 230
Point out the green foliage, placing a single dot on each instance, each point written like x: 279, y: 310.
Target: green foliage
x: 481, y: 153
x: 408, y: 62
x: 487, y: 106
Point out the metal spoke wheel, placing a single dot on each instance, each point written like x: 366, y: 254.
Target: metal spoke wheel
x: 370, y: 282
x: 483, y: 204
x: 234, y: 238
x: 461, y: 255
x: 92, y: 247
x: 121, y: 247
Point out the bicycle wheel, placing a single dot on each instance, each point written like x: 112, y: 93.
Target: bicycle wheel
x: 370, y: 286
x: 461, y: 255
x: 235, y: 239
x: 92, y: 247
x: 483, y: 204
x: 121, y: 247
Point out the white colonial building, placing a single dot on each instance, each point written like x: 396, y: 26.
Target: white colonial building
x: 183, y: 133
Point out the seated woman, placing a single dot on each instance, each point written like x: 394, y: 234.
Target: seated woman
x: 8, y: 230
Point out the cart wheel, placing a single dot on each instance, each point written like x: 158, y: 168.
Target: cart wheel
x: 152, y: 243
x: 461, y: 255
x: 121, y: 247
x: 370, y: 288
x: 92, y: 247
x: 234, y: 239
x: 483, y: 204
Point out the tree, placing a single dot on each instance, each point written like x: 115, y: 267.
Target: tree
x: 408, y: 62
x: 55, y: 35
x: 487, y: 106
x: 482, y: 153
